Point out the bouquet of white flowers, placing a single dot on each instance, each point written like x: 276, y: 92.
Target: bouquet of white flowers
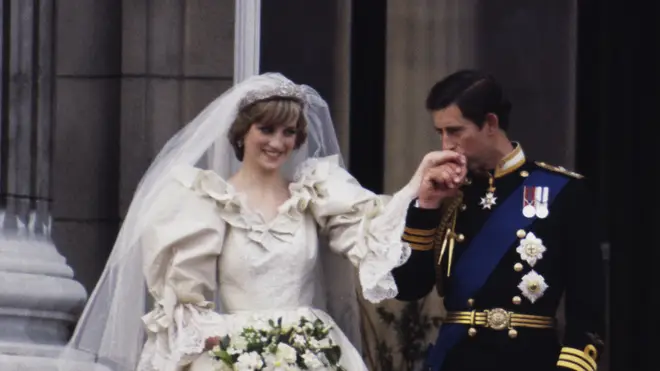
x: 271, y: 346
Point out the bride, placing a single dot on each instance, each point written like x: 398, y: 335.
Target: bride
x: 246, y: 215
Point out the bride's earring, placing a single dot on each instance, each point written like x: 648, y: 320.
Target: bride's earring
x: 240, y: 144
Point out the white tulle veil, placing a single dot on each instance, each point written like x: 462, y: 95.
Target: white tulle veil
x: 110, y: 330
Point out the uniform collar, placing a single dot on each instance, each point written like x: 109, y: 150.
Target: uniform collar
x: 511, y: 162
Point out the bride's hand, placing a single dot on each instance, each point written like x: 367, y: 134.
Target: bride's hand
x: 439, y: 175
x: 435, y: 159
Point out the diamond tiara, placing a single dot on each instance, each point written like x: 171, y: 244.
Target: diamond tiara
x: 283, y: 90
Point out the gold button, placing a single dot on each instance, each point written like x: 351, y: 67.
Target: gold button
x: 524, y: 174
x: 521, y: 233
x: 533, y: 286
x: 513, y: 334
x: 460, y: 237
x: 517, y: 267
x: 472, y: 331
x: 463, y: 207
x: 516, y: 300
x: 470, y: 302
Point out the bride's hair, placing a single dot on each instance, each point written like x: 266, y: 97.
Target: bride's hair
x: 271, y: 112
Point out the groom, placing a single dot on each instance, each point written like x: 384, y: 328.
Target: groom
x: 501, y: 245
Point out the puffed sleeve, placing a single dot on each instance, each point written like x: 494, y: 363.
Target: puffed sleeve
x: 361, y: 225
x: 180, y: 246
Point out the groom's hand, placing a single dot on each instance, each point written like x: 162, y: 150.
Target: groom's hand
x: 444, y: 172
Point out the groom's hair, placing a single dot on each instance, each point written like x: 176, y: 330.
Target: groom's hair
x: 475, y: 93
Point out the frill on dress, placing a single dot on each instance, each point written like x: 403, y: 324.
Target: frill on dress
x: 361, y: 225
x: 367, y: 228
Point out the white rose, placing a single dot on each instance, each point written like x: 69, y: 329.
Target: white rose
x: 299, y: 340
x: 239, y: 343
x: 311, y: 361
x: 248, y: 362
x: 286, y: 353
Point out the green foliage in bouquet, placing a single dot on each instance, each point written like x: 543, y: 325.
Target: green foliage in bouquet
x: 270, y: 345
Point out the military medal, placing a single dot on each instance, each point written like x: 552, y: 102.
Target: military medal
x: 542, y: 202
x: 489, y: 200
x: 528, y: 202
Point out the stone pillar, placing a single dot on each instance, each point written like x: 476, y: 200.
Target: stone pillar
x: 39, y: 300
x: 247, y: 36
x: 85, y: 153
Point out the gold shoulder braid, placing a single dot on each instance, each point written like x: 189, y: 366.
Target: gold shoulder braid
x: 444, y: 239
x: 559, y: 169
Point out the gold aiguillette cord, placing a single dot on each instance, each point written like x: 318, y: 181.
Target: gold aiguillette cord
x: 450, y: 238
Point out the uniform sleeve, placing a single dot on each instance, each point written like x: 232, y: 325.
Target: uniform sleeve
x: 180, y: 247
x: 416, y: 278
x: 363, y: 226
x: 585, y: 285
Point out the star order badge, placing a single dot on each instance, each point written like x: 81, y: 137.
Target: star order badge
x: 488, y: 201
x: 532, y: 286
x: 531, y: 249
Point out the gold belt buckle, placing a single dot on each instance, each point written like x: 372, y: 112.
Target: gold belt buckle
x: 498, y: 319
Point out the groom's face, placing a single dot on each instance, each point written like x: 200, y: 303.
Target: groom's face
x: 461, y: 135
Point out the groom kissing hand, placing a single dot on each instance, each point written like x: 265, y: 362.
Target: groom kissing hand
x: 502, y: 238
x: 444, y: 173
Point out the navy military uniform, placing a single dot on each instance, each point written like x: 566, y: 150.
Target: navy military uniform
x: 501, y: 255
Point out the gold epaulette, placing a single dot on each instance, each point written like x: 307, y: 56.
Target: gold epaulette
x: 559, y: 169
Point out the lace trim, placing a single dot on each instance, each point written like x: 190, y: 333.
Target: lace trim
x: 380, y: 231
x: 178, y: 343
x: 382, y: 236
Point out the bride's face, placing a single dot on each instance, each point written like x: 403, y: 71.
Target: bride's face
x: 269, y: 146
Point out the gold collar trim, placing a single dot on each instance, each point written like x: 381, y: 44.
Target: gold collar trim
x: 511, y: 162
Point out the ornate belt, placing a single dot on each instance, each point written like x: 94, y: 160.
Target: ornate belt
x: 499, y: 319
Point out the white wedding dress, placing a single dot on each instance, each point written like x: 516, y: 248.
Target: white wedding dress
x: 209, y: 246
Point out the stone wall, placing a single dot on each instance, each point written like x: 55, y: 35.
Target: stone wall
x: 129, y: 74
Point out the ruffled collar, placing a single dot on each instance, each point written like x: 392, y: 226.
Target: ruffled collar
x: 307, y: 186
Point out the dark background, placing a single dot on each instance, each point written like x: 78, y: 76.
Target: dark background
x: 618, y: 95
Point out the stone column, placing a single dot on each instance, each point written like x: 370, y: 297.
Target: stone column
x: 247, y: 36
x: 39, y: 300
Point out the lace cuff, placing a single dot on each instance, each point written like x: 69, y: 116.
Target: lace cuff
x: 176, y: 339
x: 381, y: 247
